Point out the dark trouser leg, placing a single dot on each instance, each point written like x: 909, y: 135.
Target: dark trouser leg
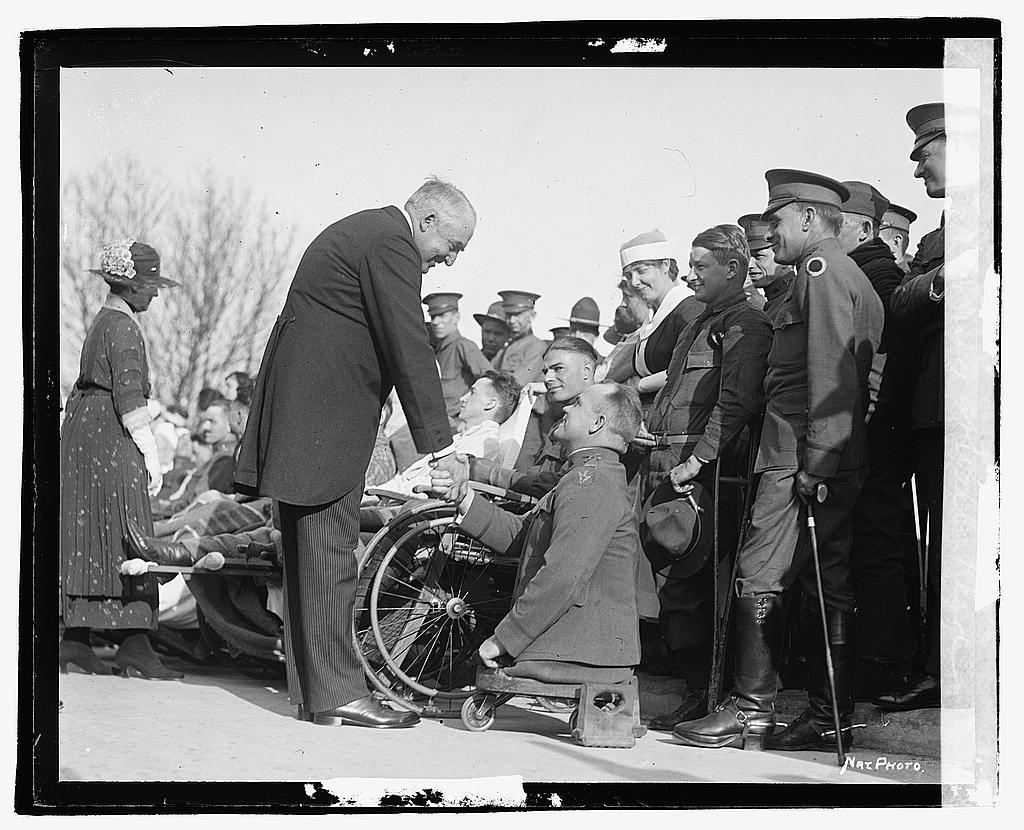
x: 320, y: 575
x: 929, y: 445
x: 815, y: 727
x: 876, y: 557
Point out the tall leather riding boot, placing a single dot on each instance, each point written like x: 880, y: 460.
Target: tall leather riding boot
x: 163, y: 552
x: 815, y: 727
x: 749, y: 712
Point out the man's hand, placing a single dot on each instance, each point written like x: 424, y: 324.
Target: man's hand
x: 449, y: 477
x: 807, y: 485
x: 644, y: 439
x: 680, y: 475
x: 490, y: 652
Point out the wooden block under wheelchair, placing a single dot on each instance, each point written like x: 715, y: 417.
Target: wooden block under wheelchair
x: 606, y: 714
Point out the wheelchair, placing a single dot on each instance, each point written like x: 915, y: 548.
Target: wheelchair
x: 428, y: 595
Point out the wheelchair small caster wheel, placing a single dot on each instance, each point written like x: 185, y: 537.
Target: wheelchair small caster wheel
x: 478, y: 713
x: 573, y: 719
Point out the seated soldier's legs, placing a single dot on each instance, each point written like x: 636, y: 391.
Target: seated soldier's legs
x: 563, y: 671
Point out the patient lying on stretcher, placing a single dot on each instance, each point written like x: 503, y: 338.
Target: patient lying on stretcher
x: 574, y: 617
x: 490, y: 402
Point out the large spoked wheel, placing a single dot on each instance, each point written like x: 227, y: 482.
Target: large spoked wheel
x: 428, y: 596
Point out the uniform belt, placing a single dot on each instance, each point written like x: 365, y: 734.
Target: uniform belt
x: 667, y: 439
x: 93, y: 391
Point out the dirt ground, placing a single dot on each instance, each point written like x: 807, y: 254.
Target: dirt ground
x: 217, y: 725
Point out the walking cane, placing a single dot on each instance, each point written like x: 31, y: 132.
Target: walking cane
x: 922, y: 556
x: 820, y: 495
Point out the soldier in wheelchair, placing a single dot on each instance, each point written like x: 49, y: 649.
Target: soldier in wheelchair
x: 573, y: 615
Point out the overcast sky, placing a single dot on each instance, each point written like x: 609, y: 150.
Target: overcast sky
x: 562, y: 164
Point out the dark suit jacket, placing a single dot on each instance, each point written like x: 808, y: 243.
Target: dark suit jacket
x: 351, y: 329
x: 921, y: 319
x: 578, y: 549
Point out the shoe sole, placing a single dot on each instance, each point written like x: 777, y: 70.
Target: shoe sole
x: 322, y: 720
x: 753, y: 743
x: 131, y: 671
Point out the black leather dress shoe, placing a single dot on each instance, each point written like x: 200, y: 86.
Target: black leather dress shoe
x: 924, y: 694
x: 156, y: 550
x: 693, y: 707
x: 807, y: 733
x: 366, y: 711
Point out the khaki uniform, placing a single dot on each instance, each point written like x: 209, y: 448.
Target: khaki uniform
x: 461, y: 362
x: 575, y: 596
x: 523, y: 357
x: 825, y: 335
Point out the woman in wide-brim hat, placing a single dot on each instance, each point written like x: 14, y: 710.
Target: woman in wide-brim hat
x: 109, y: 470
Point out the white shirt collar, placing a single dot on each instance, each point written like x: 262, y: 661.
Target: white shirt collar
x: 118, y: 303
x: 408, y: 220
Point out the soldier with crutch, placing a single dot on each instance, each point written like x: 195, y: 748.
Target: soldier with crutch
x: 816, y: 393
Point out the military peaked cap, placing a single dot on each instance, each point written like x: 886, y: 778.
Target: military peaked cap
x: 786, y: 186
x: 898, y: 217
x: 441, y: 301
x: 515, y: 301
x: 756, y: 229
x: 864, y: 200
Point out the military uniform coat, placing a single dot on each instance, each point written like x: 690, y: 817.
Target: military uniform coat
x: 575, y: 596
x: 350, y: 331
x: 775, y: 293
x: 461, y: 362
x: 825, y: 335
x: 523, y: 358
x: 921, y: 320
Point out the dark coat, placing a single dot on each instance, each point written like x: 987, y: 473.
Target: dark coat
x: 461, y: 363
x: 351, y: 329
x: 921, y: 319
x: 816, y: 390
x: 875, y: 259
x: 578, y: 549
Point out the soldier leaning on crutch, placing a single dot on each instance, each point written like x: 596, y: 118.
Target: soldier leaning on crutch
x: 816, y: 391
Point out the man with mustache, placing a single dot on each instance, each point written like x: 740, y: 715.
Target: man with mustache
x: 713, y: 390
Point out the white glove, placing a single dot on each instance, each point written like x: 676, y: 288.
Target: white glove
x: 135, y: 567
x: 137, y: 423
x: 156, y: 473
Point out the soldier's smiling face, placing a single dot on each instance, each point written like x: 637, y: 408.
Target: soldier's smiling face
x: 566, y: 374
x: 710, y: 279
x: 931, y: 167
x: 785, y: 233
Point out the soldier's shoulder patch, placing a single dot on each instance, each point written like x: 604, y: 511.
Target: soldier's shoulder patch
x: 816, y: 266
x: 584, y: 476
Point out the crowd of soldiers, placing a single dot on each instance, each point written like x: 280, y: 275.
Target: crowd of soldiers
x: 805, y: 347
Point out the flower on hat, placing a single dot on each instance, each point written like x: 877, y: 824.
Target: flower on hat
x: 116, y: 259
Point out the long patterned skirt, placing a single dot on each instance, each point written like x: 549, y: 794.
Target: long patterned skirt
x: 103, y: 482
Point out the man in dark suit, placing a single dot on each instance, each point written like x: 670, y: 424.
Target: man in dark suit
x: 816, y: 389
x: 574, y: 618
x: 350, y: 331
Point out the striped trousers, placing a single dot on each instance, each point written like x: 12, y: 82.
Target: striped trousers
x: 320, y: 577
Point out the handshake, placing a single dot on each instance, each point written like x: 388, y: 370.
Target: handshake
x: 449, y: 478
